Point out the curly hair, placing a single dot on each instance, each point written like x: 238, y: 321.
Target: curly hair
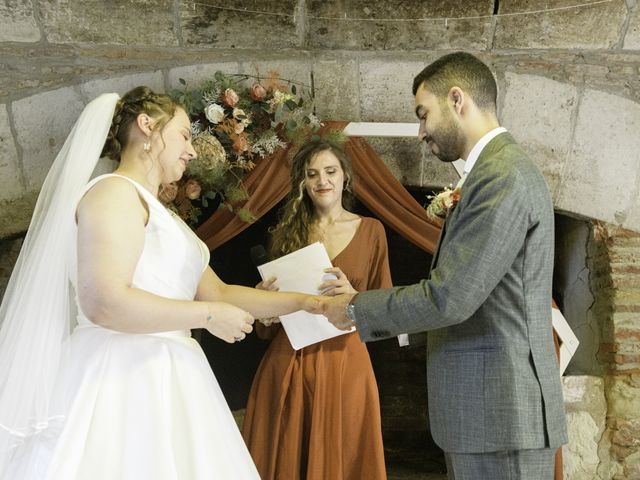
x: 298, y: 213
x: 140, y: 100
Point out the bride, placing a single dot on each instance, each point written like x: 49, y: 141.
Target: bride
x: 128, y: 394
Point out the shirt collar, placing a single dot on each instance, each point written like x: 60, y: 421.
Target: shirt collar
x: 478, y: 147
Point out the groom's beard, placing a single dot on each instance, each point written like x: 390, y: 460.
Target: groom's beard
x: 449, y: 140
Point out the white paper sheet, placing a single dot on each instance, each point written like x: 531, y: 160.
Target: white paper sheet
x: 568, y: 340
x: 303, y: 271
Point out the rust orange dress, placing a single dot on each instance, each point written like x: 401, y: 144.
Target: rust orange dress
x: 314, y: 414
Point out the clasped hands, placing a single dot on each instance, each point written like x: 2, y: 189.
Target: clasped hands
x: 336, y: 294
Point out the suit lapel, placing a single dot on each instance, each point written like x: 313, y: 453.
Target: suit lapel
x: 496, y: 144
x: 443, y: 232
x: 434, y: 261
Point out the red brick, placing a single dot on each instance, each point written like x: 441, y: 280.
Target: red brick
x: 620, y: 453
x: 627, y: 433
x: 626, y: 359
x: 625, y: 333
x: 625, y: 268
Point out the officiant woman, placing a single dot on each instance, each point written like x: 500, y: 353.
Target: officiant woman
x: 314, y: 413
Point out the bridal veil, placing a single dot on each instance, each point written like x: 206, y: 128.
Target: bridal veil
x: 38, y: 308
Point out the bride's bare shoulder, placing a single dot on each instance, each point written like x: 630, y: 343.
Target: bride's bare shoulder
x: 109, y: 193
x: 109, y: 189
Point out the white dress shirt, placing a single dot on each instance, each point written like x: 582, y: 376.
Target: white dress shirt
x: 477, y: 150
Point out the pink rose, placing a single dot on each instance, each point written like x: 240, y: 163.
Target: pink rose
x: 192, y: 189
x: 257, y: 92
x: 168, y: 192
x: 230, y: 98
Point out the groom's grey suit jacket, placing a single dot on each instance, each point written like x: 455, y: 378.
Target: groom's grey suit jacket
x: 492, y: 376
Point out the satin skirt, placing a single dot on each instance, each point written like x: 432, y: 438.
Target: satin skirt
x: 134, y: 406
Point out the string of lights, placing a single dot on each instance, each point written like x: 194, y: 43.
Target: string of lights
x: 421, y: 19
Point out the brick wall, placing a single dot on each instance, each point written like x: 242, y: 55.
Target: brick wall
x: 620, y: 352
x: 569, y: 92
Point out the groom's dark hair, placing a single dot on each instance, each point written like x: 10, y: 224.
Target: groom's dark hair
x: 460, y: 69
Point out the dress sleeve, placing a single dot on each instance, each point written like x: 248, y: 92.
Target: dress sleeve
x: 380, y: 274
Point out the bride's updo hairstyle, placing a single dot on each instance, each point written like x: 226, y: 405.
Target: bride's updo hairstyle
x: 158, y: 106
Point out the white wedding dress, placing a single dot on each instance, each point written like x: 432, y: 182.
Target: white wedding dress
x: 141, y: 406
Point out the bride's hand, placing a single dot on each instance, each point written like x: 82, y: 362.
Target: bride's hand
x: 338, y: 286
x: 271, y: 285
x: 313, y: 304
x: 228, y: 322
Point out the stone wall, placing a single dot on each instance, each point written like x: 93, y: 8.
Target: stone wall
x: 620, y: 353
x: 602, y: 410
x: 569, y: 83
x: 569, y: 78
x: 586, y: 409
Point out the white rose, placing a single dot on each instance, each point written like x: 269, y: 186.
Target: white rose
x: 214, y: 113
x: 242, y: 118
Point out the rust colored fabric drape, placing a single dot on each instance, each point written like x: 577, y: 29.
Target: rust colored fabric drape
x: 374, y: 185
x: 377, y: 188
x: 267, y: 184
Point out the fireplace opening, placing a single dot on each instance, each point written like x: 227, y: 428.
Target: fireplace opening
x: 580, y: 278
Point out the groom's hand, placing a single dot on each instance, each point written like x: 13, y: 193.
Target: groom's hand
x: 334, y: 308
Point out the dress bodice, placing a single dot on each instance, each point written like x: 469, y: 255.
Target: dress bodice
x: 173, y: 257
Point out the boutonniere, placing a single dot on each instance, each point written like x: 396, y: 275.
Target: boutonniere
x: 443, y: 203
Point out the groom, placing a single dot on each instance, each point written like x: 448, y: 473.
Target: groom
x: 495, y: 399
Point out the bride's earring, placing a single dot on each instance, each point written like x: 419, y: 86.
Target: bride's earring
x: 146, y: 146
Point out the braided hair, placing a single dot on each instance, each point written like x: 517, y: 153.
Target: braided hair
x: 140, y: 100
